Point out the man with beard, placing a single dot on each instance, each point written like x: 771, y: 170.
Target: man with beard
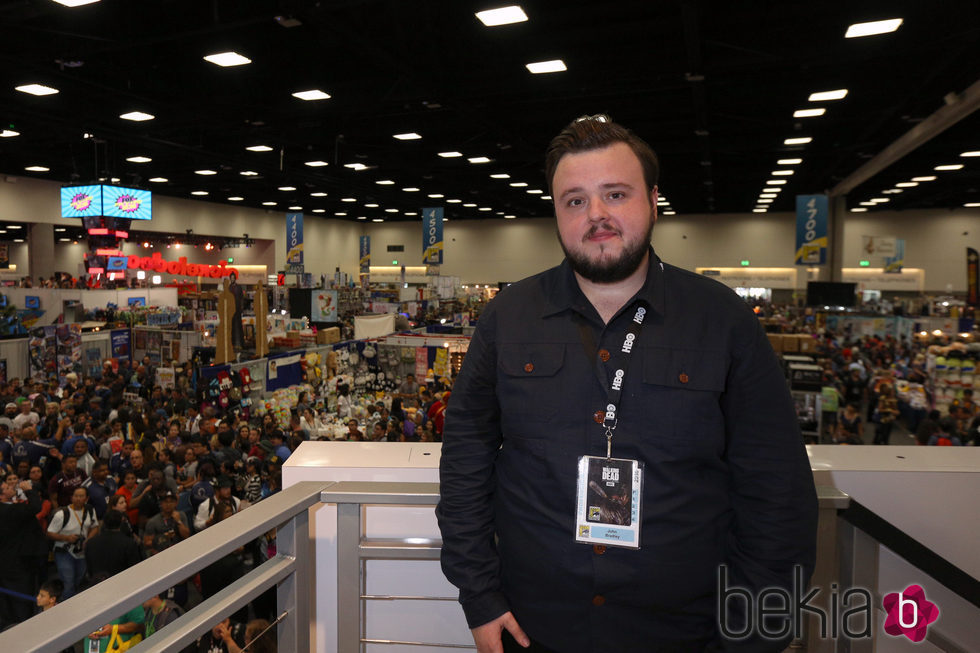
x: 615, y: 361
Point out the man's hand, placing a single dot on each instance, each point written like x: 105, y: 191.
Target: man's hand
x: 487, y: 636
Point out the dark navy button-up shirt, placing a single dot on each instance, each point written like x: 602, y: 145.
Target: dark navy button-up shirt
x: 706, y: 409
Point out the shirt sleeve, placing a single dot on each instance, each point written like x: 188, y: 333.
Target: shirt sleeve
x: 471, y: 441
x: 773, y: 494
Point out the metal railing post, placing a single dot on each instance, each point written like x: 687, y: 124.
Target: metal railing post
x: 293, y: 593
x: 825, y: 572
x: 858, y: 568
x: 349, y: 624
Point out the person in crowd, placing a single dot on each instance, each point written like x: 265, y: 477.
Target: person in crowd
x: 253, y: 480
x: 69, y: 528
x: 205, y: 515
x: 222, y: 637
x: 850, y: 426
x: 120, y: 633
x: 26, y: 416
x: 546, y: 380
x: 947, y: 435
x: 111, y: 550
x: 149, y: 497
x: 158, y: 612
x: 886, y: 412
x: 63, y: 485
x: 86, y: 461
x: 279, y: 448
x: 50, y: 594
x: 167, y: 527
x: 119, y: 462
x: 127, y: 490
x: 119, y: 503
x: 100, y: 487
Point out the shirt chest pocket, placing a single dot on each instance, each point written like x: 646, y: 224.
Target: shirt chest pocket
x: 682, y: 389
x: 529, y: 381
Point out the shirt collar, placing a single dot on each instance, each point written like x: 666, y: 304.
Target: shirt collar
x: 563, y: 292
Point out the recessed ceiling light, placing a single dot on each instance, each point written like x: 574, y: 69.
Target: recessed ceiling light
x: 137, y: 116
x: 972, y: 205
x: 355, y: 166
x: 546, y: 197
x: 319, y: 210
x: 408, y: 136
x: 259, y: 148
x: 485, y: 208
x: 371, y: 206
x: 235, y: 198
x: 906, y: 184
x: 37, y: 169
x: 758, y: 210
x: 670, y: 212
x: 227, y: 59
x: 879, y: 200
x: 13, y: 226
x: 313, y: 94
x: 75, y: 3
x: 60, y: 229
x: 114, y: 180
x: 10, y: 133
x: 391, y: 210
x: 318, y: 194
x: 269, y: 203
x: 316, y: 164
x: 553, y: 66
x: 348, y: 199
x: 775, y: 182
x: 509, y: 217
x: 385, y: 182
x: 788, y: 162
x: 454, y: 201
x: 808, y: 113
x: 781, y: 173
x: 450, y: 155
x: 416, y: 213
x: 287, y: 188
x: 469, y: 205
x: 18, y: 240
x: 893, y: 191
x: 199, y: 192
x: 764, y: 201
x: 767, y: 195
x: 478, y: 159
x: 159, y: 180
x: 954, y: 166
x: 518, y: 184
x: 797, y: 141
x: 867, y: 203
x: 973, y: 153
x: 775, y: 189
x: 929, y: 178
x: 823, y: 96
x: 500, y: 175
x: 411, y: 189
x: 340, y: 213
x: 436, y: 196
x: 205, y: 172
x: 872, y: 28
x: 534, y: 191
x: 295, y: 208
x: 502, y: 16
x: 362, y: 217
x: 139, y: 159
x: 248, y: 173
x: 377, y: 219
x: 859, y: 209
x: 36, y: 89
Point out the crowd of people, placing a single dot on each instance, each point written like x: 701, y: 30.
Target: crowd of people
x: 102, y: 473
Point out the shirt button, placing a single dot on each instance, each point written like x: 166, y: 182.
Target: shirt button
x: 599, y: 416
x: 598, y: 599
x: 529, y: 368
x: 598, y: 549
x: 682, y: 378
x: 604, y: 355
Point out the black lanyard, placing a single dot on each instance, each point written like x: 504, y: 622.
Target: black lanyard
x: 614, y: 392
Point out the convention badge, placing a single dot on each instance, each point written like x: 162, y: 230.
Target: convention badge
x: 93, y: 645
x: 608, y: 501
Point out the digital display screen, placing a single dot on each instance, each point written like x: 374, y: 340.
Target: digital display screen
x: 116, y: 263
x: 81, y: 201
x: 131, y: 203
x: 32, y: 301
x: 137, y: 301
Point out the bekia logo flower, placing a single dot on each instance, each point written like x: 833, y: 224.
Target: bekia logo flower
x: 909, y: 613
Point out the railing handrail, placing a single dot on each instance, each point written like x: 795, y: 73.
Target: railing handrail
x: 913, y: 551
x: 69, y: 622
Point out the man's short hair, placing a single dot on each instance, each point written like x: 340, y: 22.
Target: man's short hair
x: 112, y: 520
x: 54, y: 587
x: 595, y: 133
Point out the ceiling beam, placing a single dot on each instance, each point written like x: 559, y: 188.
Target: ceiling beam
x: 957, y: 108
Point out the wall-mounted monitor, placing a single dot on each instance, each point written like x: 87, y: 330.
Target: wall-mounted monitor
x: 32, y: 301
x: 116, y: 263
x: 137, y: 301
x: 81, y: 201
x: 830, y: 293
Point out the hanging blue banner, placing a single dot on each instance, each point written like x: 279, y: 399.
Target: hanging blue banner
x: 294, y: 242
x: 364, y: 250
x: 432, y: 236
x: 894, y: 263
x: 811, y: 229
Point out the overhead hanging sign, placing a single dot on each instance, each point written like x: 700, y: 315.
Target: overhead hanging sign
x: 432, y: 236
x: 364, y: 254
x: 879, y: 245
x: 294, y: 242
x: 896, y: 261
x: 97, y: 200
x: 811, y: 229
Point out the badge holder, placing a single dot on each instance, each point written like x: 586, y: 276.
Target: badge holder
x: 608, y: 501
